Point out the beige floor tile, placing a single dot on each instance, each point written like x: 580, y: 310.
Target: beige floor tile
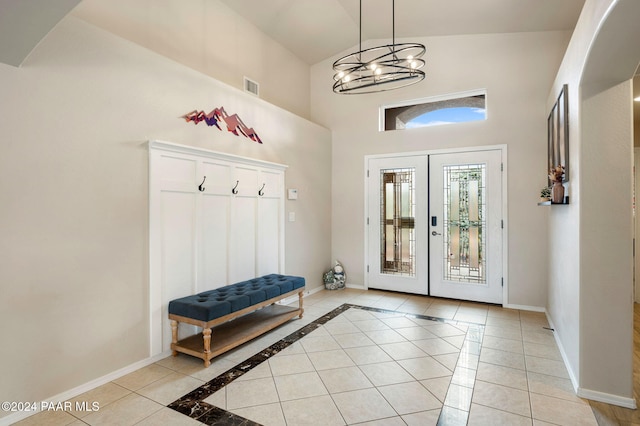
x: 502, y: 398
x: 217, y: 367
x: 504, y: 332
x: 381, y: 337
x: 399, y: 322
x: 503, y: 322
x: 170, y: 388
x: 142, y: 377
x: 459, y: 397
x: 411, y: 397
x: 502, y: 344
x: 53, y: 418
x: 542, y: 351
x: 386, y: 373
x: 425, y: 368
x: 444, y: 330
x: 353, y: 340
x: 181, y: 363
x: 457, y: 341
x: 312, y: 343
x: 448, y: 360
x: 167, y: 416
x: 251, y: 392
x: 330, y: 359
x: 546, y: 366
x: 266, y: 415
x: 504, y: 358
x: 487, y: 416
x: 542, y: 337
x: 362, y: 406
x: 260, y: 371
x: 218, y: 399
x: 476, y: 319
x: 389, y: 421
x: 294, y: 348
x: 416, y: 333
x: 126, y: 411
x: 452, y: 416
x: 438, y: 386
x: 502, y: 375
x: 423, y: 418
x: 556, y: 387
x: 441, y: 312
x: 103, y: 395
x: 312, y: 411
x: 436, y: 346
x: 367, y: 355
x: 358, y: 315
x: 561, y: 412
x: 290, y: 364
x: 344, y: 379
x: 371, y: 325
x: 297, y: 386
x: 402, y: 350
x: 344, y: 327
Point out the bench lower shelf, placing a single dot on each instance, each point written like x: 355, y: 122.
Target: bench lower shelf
x: 228, y: 335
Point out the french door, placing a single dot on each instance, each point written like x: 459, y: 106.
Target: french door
x: 435, y: 225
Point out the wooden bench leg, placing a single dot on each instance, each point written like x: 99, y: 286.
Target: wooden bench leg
x: 174, y: 336
x: 300, y: 304
x: 206, y: 335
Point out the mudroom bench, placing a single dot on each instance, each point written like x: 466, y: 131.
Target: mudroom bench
x: 250, y: 304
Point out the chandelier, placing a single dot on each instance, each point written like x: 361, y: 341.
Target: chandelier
x: 379, y: 68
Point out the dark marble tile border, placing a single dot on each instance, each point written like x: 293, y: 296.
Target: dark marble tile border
x: 192, y: 404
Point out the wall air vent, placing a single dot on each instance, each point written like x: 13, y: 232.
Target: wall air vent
x: 251, y: 86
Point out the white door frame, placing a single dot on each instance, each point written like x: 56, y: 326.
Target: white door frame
x: 505, y: 232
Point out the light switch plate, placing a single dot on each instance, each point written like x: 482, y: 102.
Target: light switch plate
x: 292, y: 194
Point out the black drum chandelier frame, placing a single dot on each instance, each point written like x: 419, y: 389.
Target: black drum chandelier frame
x: 379, y: 68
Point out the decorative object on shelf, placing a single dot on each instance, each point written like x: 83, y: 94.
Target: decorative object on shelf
x: 545, y: 194
x: 556, y: 175
x: 558, y: 133
x: 379, y: 68
x: 234, y: 123
x: 335, y: 278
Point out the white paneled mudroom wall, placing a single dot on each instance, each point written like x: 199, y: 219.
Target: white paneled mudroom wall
x: 215, y: 219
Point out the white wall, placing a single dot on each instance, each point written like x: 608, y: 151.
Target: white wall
x: 208, y: 36
x: 74, y: 120
x: 590, y: 279
x: 517, y: 70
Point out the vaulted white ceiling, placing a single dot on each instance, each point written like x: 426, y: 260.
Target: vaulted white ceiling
x: 317, y: 29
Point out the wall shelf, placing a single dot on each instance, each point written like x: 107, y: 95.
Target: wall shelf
x: 549, y: 203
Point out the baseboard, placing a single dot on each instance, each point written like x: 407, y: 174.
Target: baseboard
x: 524, y: 307
x: 563, y: 354
x: 607, y: 398
x: 356, y: 286
x: 79, y: 390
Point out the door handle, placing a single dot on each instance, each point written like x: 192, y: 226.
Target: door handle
x: 434, y: 233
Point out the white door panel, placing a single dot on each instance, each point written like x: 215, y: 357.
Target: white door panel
x: 397, y: 206
x: 465, y: 233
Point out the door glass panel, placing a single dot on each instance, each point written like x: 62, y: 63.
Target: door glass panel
x: 397, y: 232
x: 464, y: 223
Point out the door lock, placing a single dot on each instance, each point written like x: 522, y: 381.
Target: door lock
x: 434, y: 233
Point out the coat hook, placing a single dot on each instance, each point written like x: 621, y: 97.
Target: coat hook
x: 200, y: 187
x: 260, y: 193
x: 234, y: 190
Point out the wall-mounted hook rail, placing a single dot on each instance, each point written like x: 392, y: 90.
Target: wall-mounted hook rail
x: 260, y: 192
x: 234, y: 190
x: 200, y: 187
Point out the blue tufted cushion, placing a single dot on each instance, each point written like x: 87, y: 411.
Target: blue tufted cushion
x: 213, y: 304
